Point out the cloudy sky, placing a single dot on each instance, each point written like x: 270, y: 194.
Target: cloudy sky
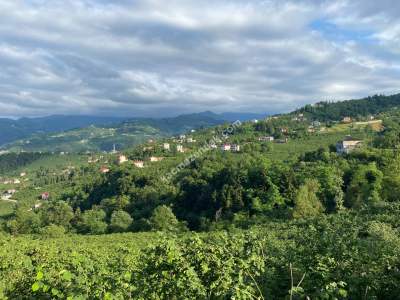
x: 159, y: 58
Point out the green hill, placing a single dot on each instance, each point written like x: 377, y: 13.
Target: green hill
x: 103, y: 138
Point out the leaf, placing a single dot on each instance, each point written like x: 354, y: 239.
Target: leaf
x: 35, y: 287
x: 67, y: 276
x: 39, y: 275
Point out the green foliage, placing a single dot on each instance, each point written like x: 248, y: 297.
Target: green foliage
x: 93, y: 221
x: 120, y: 221
x: 365, y: 186
x: 307, y: 203
x: 52, y: 231
x: 163, y: 219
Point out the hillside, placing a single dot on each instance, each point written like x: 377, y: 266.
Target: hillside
x: 102, y: 137
x: 333, y: 111
x: 270, y: 202
x: 11, y: 130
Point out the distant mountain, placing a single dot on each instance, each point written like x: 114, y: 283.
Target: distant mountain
x: 103, y: 137
x: 234, y: 116
x: 12, y: 130
x: 70, y: 133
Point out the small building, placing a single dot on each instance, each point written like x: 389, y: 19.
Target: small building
x: 122, y: 159
x: 6, y: 196
x: 226, y: 147
x: 182, y: 137
x: 17, y: 181
x: 166, y: 146
x: 156, y: 159
x: 11, y: 191
x: 180, y: 148
x: 266, y: 139
x: 235, y: 148
x: 190, y: 140
x: 23, y: 174
x: 282, y: 141
x: 348, y: 145
x: 138, y: 163
x: 104, y: 170
x: 213, y: 146
x: 347, y: 120
x: 45, y: 196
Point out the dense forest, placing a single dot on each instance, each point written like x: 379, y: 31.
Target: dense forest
x: 285, y: 216
x: 332, y: 111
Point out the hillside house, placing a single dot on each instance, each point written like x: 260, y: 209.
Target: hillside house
x: 17, y: 181
x: 23, y: 174
x: 226, y: 147
x: 166, y: 146
x: 266, y: 139
x: 235, y: 148
x: 348, y: 145
x: 190, y: 140
x: 282, y: 141
x: 45, y: 196
x: 122, y: 159
x: 104, y: 170
x: 6, y: 196
x: 229, y: 147
x: 347, y: 120
x: 138, y: 163
x: 156, y: 159
x: 180, y: 148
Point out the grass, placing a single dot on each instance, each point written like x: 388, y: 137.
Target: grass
x: 6, y: 209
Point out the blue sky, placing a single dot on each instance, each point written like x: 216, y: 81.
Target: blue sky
x: 162, y: 58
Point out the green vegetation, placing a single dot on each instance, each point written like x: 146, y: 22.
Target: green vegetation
x: 289, y: 218
x: 103, y: 138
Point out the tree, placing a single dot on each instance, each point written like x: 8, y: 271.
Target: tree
x: 25, y: 220
x: 365, y: 186
x: 307, y: 203
x: 57, y: 213
x: 93, y: 222
x: 52, y: 231
x: 120, y: 221
x: 163, y: 219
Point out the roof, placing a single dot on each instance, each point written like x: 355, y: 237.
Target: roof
x: 348, y: 138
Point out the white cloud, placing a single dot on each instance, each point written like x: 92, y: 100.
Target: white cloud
x: 154, y: 57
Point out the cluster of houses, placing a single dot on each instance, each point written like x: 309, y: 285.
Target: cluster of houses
x: 14, y: 180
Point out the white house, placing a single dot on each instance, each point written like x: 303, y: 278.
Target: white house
x: 122, y: 159
x: 266, y: 139
x: 104, y: 170
x: 226, y: 147
x: 138, y: 163
x: 348, y: 145
x: 156, y: 159
x: 166, y: 146
x: 235, y: 148
x: 180, y: 149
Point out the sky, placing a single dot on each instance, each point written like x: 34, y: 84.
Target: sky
x: 163, y: 58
